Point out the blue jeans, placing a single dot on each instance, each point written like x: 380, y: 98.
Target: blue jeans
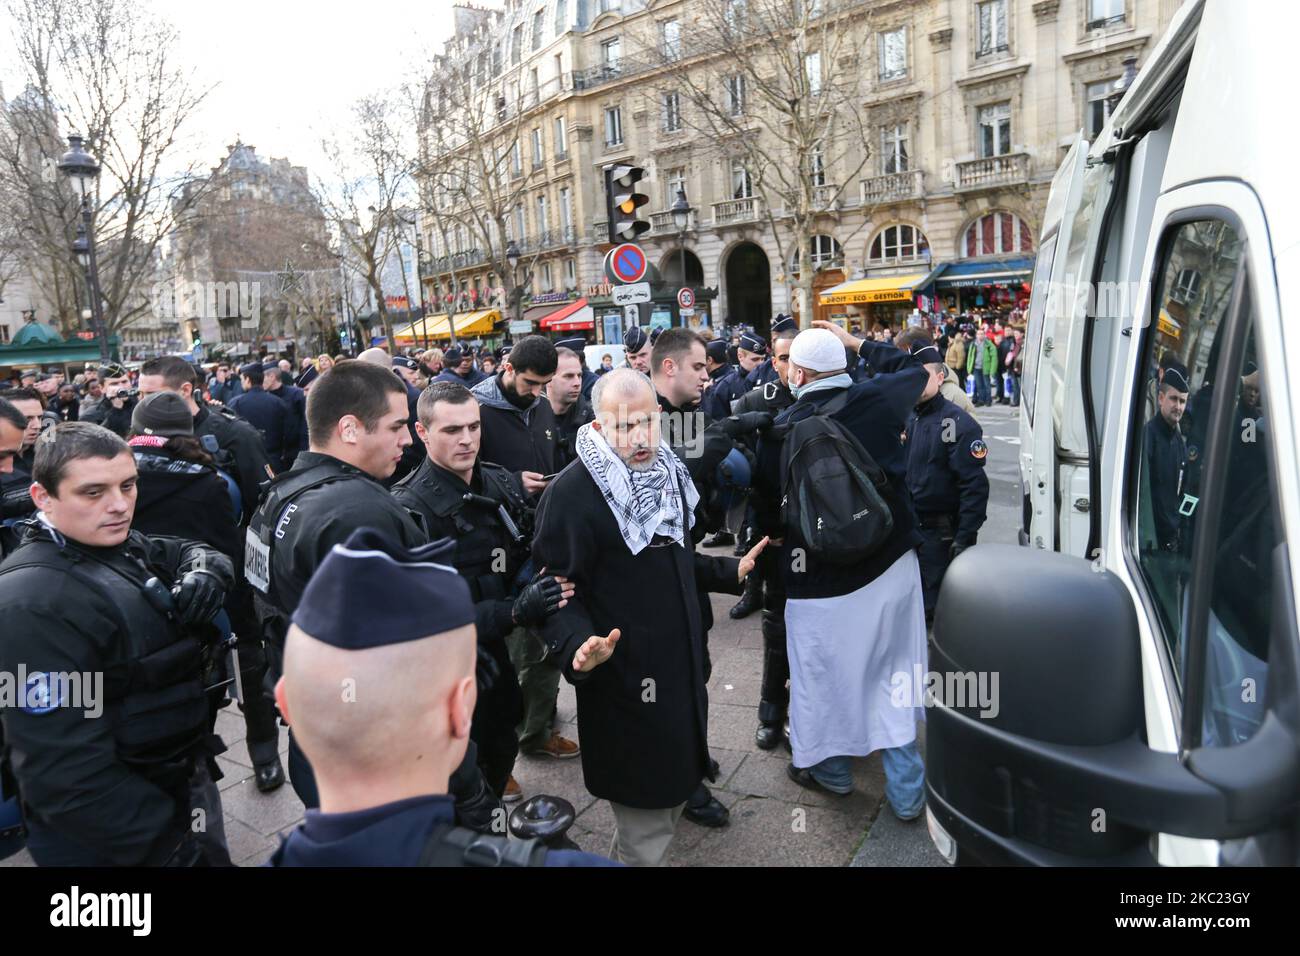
x: 1015, y: 389
x: 981, y: 387
x: 904, y: 777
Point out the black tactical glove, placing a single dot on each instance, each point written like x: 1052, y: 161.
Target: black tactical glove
x: 198, y: 597
x: 538, y: 601
x: 486, y: 671
x: 738, y: 426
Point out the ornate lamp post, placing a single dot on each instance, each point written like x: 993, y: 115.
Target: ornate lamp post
x: 82, y: 170
x: 517, y: 292
x: 681, y: 210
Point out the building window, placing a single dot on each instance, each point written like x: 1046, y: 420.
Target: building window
x: 571, y: 273
x: 992, y: 28
x: 537, y: 146
x: 813, y: 70
x: 1105, y: 13
x: 672, y: 111
x: 995, y: 234
x: 516, y: 159
x: 893, y: 149
x: 543, y: 214
x: 898, y: 243
x: 566, y: 210
x: 675, y: 181
x: 607, y: 5
x: 995, y: 129
x: 561, y: 16
x: 614, y: 126
x: 539, y: 27
x: 892, y: 50
x: 736, y: 14
x: 736, y: 94
x: 534, y: 83
x: 817, y: 166
x: 823, y: 250
x: 517, y: 46
x: 609, y: 54
x: 670, y: 32
x: 547, y: 285
x: 742, y: 186
x: 519, y: 222
x: 1098, y: 107
x: 561, y: 140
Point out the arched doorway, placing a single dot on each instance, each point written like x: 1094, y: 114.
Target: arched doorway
x: 671, y: 270
x: 749, y: 288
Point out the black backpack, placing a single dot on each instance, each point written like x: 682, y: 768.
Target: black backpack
x: 832, y: 500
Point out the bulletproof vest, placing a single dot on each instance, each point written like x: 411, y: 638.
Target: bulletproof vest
x: 265, y: 528
x: 461, y: 847
x: 153, y: 688
x: 480, y: 532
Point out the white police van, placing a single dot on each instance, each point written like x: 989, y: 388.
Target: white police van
x: 1148, y: 659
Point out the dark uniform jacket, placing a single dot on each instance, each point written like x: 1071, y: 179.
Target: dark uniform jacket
x: 16, y: 487
x: 224, y: 392
x: 271, y: 418
x: 643, y: 714
x: 588, y: 382
x: 724, y: 390
x: 296, y: 432
x: 240, y: 452
x: 567, y: 425
x: 945, y: 467
x: 392, y: 835
x: 116, y: 420
x: 765, y: 373
x: 111, y: 790
x: 1166, y: 456
x: 877, y: 413
x: 774, y: 398
x: 469, y: 381
x: 515, y: 438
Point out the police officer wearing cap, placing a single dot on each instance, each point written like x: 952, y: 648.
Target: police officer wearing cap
x: 384, y: 758
x: 111, y: 630
x: 945, y: 475
x: 458, y: 366
x: 765, y: 372
x: 637, y: 349
x: 1165, y: 451
x: 267, y: 414
x: 750, y: 353
x: 483, y: 509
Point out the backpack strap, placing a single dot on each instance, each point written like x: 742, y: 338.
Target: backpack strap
x: 461, y: 847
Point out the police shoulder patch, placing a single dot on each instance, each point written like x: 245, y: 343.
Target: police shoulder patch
x: 1193, y: 453
x: 42, y: 694
x: 979, y: 450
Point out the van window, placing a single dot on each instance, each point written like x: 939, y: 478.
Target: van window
x: 1170, y: 436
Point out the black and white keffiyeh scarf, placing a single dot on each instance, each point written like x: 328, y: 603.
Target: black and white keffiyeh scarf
x: 645, y: 503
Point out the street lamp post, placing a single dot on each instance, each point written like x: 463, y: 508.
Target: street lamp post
x: 82, y: 170
x: 517, y: 292
x: 681, y: 210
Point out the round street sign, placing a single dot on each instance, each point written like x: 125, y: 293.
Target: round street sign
x: 686, y: 298
x: 628, y: 262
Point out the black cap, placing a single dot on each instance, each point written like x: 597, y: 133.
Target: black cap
x: 164, y: 414
x: 926, y: 352
x: 401, y: 361
x: 453, y: 356
x: 634, y: 339
x: 309, y: 375
x: 1176, y: 377
x: 752, y: 343
x: 784, y: 323
x: 655, y: 333
x: 250, y: 367
x: 717, y: 350
x: 371, y: 592
x: 577, y: 343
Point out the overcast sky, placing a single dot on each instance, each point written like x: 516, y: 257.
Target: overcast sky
x: 286, y: 71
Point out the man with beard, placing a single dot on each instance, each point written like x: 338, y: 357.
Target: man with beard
x: 631, y: 640
x: 572, y: 409
x: 519, y: 433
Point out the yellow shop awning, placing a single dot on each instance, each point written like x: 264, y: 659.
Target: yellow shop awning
x: 439, y: 326
x: 884, y: 289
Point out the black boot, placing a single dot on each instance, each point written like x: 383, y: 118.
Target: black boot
x: 751, y: 600
x: 719, y: 540
x: 774, y: 697
x: 705, y: 809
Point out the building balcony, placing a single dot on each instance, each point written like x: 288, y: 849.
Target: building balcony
x: 737, y: 210
x: 662, y: 224
x: 992, y: 172
x: 826, y: 197
x: 892, y: 187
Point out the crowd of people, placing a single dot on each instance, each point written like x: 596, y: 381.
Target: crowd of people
x: 401, y: 556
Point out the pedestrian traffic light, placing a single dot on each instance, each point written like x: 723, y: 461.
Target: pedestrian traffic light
x: 622, y: 201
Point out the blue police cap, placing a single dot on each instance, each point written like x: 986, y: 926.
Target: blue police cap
x: 371, y: 592
x: 575, y: 344
x: 784, y: 323
x: 926, y: 352
x: 752, y: 343
x: 634, y: 340
x: 717, y: 350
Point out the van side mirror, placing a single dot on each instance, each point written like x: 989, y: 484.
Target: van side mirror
x: 1057, y: 771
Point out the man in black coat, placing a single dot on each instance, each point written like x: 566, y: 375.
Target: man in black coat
x: 267, y: 414
x: 274, y: 381
x: 1165, y: 451
x: 568, y: 401
x: 617, y: 523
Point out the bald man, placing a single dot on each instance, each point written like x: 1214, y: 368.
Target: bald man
x: 382, y: 709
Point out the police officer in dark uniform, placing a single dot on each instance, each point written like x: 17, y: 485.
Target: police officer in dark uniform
x: 716, y: 360
x: 279, y: 383
x: 945, y: 475
x: 771, y: 399
x: 107, y: 625
x: 483, y: 509
x: 766, y: 372
x: 1165, y: 452
x: 636, y: 346
x: 357, y: 423
x: 399, y: 625
x: 266, y: 413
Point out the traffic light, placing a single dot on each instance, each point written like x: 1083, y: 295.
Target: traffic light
x: 622, y: 202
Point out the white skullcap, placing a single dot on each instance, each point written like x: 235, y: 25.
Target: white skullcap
x: 818, y: 350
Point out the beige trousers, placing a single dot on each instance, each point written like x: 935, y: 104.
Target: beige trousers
x: 641, y: 837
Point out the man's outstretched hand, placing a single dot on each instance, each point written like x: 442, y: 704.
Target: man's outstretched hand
x: 595, y: 651
x: 748, y: 561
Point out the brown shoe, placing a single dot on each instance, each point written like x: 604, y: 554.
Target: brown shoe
x: 512, y: 792
x: 560, y: 747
